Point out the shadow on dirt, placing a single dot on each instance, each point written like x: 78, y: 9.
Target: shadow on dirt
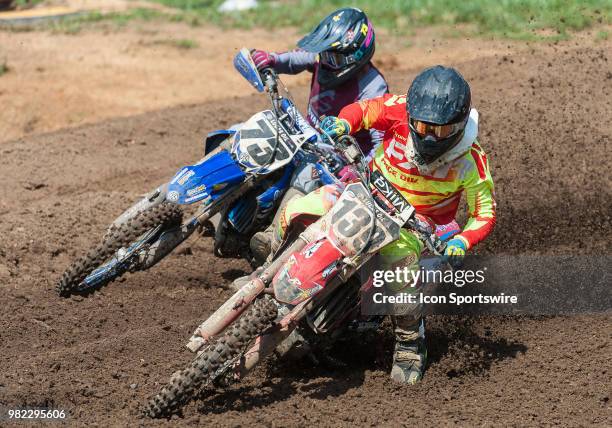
x: 340, y: 368
x: 455, y: 347
x: 231, y: 274
x: 313, y: 383
x: 547, y: 226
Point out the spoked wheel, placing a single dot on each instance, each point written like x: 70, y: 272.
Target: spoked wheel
x: 163, y: 215
x: 217, y: 356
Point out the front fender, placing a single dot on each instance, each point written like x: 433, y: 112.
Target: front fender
x: 151, y: 199
x: 306, y: 272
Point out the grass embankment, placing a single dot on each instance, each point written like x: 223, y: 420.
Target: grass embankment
x: 518, y: 19
x: 514, y: 19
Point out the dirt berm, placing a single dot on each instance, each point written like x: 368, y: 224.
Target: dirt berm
x: 546, y: 119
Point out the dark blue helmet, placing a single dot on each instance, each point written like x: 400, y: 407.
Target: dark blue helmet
x: 344, y: 41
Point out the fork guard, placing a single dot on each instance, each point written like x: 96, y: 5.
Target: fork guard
x: 241, y: 300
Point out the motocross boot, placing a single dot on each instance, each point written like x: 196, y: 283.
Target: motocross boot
x: 265, y: 243
x: 261, y: 245
x: 410, y: 353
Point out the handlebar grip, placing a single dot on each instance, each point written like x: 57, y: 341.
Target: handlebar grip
x: 428, y: 236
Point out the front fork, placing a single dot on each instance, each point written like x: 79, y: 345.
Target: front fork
x: 266, y: 342
x: 167, y: 241
x: 170, y: 239
x: 240, y: 301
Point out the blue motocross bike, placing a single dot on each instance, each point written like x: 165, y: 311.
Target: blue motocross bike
x: 243, y: 176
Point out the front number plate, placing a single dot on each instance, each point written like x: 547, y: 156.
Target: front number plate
x: 404, y: 209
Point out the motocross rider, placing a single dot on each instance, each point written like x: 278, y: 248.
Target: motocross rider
x: 338, y: 53
x: 431, y: 155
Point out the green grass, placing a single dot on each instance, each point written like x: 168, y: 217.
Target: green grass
x: 515, y: 19
x: 26, y: 3
x: 4, y: 68
x: 109, y: 21
x: 176, y: 43
x: 602, y: 35
x: 74, y: 24
x: 185, y: 44
x: 521, y: 19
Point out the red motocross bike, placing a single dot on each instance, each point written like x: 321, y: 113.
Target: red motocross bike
x: 310, y: 283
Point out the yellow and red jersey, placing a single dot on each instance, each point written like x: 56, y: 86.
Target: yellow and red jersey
x: 434, y: 193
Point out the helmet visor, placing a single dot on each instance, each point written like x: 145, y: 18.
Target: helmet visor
x: 439, y: 131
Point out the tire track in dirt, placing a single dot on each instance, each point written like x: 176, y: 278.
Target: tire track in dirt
x: 103, y: 356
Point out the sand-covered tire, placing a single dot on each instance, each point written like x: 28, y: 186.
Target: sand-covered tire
x: 118, y: 236
x: 185, y: 384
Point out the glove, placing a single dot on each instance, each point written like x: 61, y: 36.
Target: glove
x: 447, y: 231
x: 455, y: 252
x: 335, y: 127
x: 263, y: 59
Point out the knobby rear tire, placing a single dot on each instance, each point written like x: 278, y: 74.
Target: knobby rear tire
x: 118, y: 236
x: 185, y: 384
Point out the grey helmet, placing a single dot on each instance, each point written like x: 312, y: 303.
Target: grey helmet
x: 438, y: 105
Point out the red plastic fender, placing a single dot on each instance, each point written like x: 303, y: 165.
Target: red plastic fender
x: 306, y: 272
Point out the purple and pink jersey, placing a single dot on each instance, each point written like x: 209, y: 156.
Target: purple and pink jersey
x: 368, y: 83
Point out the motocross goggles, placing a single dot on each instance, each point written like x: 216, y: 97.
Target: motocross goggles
x: 440, y: 131
x: 337, y: 61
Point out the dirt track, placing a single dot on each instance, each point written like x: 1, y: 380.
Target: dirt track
x: 546, y: 121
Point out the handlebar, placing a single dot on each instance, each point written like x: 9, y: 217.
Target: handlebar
x: 431, y: 240
x: 346, y: 145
